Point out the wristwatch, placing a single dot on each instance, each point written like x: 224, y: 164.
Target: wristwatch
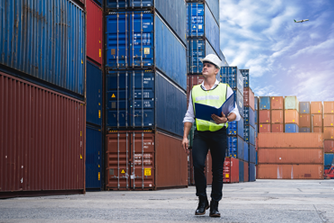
x: 227, y: 119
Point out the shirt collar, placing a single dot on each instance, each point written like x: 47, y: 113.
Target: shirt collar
x: 215, y: 85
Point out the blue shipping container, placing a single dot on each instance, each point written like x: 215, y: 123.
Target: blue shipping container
x: 246, y: 152
x: 197, y: 49
x: 93, y: 158
x: 249, y: 116
x: 245, y: 74
x: 45, y: 40
x: 235, y: 144
x: 255, y: 157
x: 172, y: 11
x: 291, y: 128
x: 201, y: 23
x: 252, y: 153
x: 264, y: 103
x: 140, y: 39
x: 328, y: 159
x: 214, y: 8
x: 236, y: 128
x: 233, y: 77
x: 249, y: 134
x: 256, y: 103
x: 255, y: 117
x: 144, y: 99
x: 304, y: 107
x: 252, y: 172
x: 304, y: 129
x: 241, y: 171
x: 94, y: 94
x: 239, y: 100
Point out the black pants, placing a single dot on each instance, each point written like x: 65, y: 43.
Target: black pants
x: 217, y: 143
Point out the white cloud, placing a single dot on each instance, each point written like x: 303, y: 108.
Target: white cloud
x: 328, y: 44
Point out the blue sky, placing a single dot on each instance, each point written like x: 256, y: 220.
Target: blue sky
x: 284, y: 58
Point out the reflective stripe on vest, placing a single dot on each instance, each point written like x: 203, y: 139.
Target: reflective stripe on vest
x: 214, y: 97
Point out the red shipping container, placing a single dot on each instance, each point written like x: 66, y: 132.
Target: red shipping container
x: 305, y: 120
x: 329, y: 146
x: 264, y: 128
x: 329, y: 107
x: 94, y: 31
x: 329, y: 120
x: 231, y: 170
x: 317, y: 120
x: 290, y: 171
x: 277, y: 128
x: 316, y: 107
x: 317, y: 129
x: 276, y: 116
x: 264, y: 116
x: 249, y: 98
x: 246, y: 173
x: 42, y: 140
x: 143, y: 160
x: 328, y: 132
x: 291, y: 117
x: 287, y: 140
x: 276, y: 103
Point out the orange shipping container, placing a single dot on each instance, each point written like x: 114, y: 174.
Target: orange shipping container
x: 316, y: 107
x: 304, y: 120
x: 328, y: 132
x: 264, y: 128
x: 276, y: 116
x: 277, y: 102
x: 287, y: 140
x: 329, y: 146
x: 290, y: 156
x: 291, y: 117
x: 277, y: 128
x: 290, y: 171
x: 317, y: 120
x: 329, y: 120
x: 317, y: 129
x: 329, y: 107
x: 264, y: 116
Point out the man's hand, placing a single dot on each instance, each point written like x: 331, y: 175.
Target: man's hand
x: 185, y: 145
x: 219, y: 120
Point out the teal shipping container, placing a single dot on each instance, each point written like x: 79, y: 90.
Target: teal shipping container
x: 264, y: 103
x: 291, y: 103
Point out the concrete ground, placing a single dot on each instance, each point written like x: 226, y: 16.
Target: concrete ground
x: 261, y: 201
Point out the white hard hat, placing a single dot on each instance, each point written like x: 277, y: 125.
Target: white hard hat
x: 211, y: 58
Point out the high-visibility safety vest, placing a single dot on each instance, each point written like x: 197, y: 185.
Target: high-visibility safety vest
x: 214, y: 97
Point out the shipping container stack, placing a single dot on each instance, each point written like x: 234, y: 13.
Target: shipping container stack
x: 291, y: 114
x: 264, y: 114
x: 329, y: 133
x: 276, y: 112
x: 42, y: 75
x: 249, y: 128
x: 305, y: 116
x: 94, y: 95
x: 145, y: 96
x: 317, y: 116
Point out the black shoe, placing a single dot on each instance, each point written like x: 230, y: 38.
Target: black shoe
x: 214, y: 209
x: 203, y: 205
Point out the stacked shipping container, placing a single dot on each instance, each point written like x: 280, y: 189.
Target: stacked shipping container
x: 304, y: 117
x: 291, y: 114
x: 276, y: 112
x: 43, y: 74
x: 145, y: 94
x: 316, y: 116
x: 329, y: 133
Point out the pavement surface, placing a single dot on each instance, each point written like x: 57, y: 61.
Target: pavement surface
x: 261, y: 201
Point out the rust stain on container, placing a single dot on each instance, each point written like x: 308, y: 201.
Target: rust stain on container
x: 264, y: 116
x: 304, y: 120
x: 329, y: 120
x: 264, y: 128
x: 317, y: 120
x: 277, y: 128
x: 329, y: 146
x: 291, y: 155
x: 328, y: 107
x: 276, y: 116
x: 328, y: 132
x: 141, y: 160
x: 290, y: 171
x: 291, y: 117
x: 277, y: 102
x: 42, y: 139
x: 293, y: 140
x: 316, y: 107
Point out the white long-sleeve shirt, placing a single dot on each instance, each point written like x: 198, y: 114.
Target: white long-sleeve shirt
x: 190, y: 117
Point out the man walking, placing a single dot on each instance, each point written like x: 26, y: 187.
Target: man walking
x: 209, y: 135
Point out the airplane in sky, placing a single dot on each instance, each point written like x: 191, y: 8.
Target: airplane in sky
x: 300, y: 21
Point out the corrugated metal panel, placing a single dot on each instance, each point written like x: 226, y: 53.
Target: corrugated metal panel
x: 328, y: 107
x: 46, y: 40
x: 329, y: 120
x: 328, y: 132
x: 249, y: 134
x: 292, y: 128
x: 329, y: 146
x: 231, y: 170
x: 277, y: 128
x: 291, y: 117
x: 316, y: 107
x: 304, y: 107
x: 245, y: 74
x: 291, y: 102
x: 233, y: 77
x: 252, y: 153
x: 140, y: 39
x: 246, y: 177
x: 276, y: 116
x: 256, y: 117
x: 317, y: 129
x: 252, y: 172
x: 290, y: 171
x: 277, y: 102
x: 235, y: 144
x: 236, y: 128
x: 246, y: 152
x: 303, y: 140
x: 264, y: 128
x: 248, y: 98
x: 241, y: 149
x: 264, y: 116
x: 214, y: 8
x: 264, y: 103
x: 256, y: 103
x: 304, y: 129
x: 94, y: 31
x: 305, y: 120
x: 249, y: 116
x: 317, y: 120
x: 144, y: 99
x: 94, y: 175
x: 140, y: 160
x: 329, y: 158
x: 94, y: 94
x: 42, y: 138
x: 241, y: 171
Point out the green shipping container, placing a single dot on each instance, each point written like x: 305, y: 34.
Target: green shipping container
x: 291, y: 102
